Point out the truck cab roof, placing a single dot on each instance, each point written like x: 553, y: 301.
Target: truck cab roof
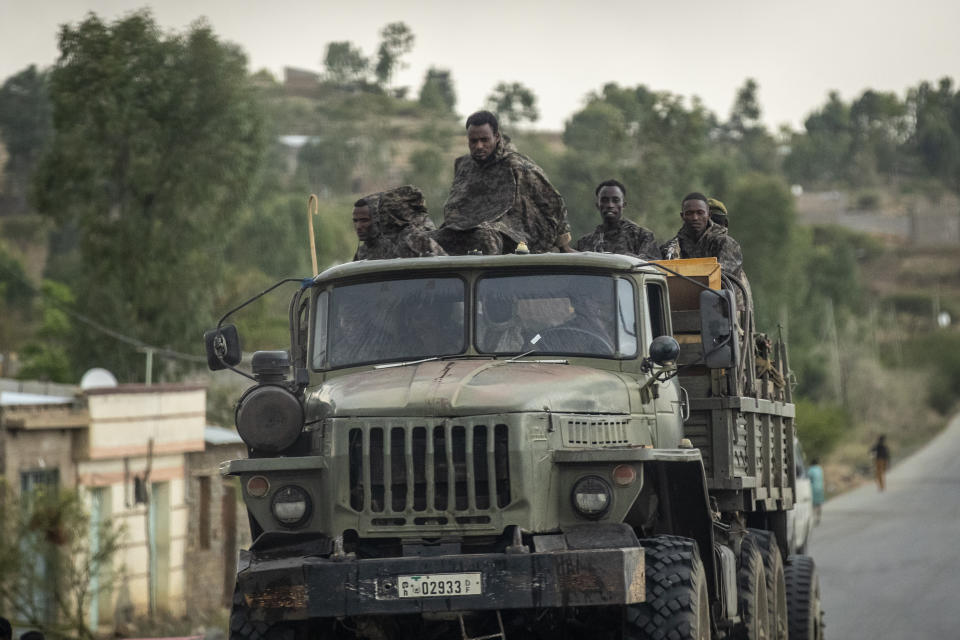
x: 585, y: 260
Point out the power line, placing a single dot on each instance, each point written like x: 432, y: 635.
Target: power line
x: 116, y: 335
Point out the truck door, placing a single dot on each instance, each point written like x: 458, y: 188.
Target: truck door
x: 667, y: 395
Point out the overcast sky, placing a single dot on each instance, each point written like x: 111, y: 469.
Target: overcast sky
x: 798, y: 51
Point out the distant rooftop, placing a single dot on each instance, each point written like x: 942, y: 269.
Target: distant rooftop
x: 18, y: 398
x: 295, y: 141
x: 213, y: 434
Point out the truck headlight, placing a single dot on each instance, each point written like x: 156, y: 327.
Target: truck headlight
x: 269, y: 418
x: 290, y: 506
x: 591, y: 497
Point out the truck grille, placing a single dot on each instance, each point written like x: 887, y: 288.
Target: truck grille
x: 419, y: 470
x: 596, y: 433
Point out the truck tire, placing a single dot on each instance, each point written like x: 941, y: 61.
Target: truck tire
x: 752, y: 593
x: 803, y: 599
x: 776, y: 583
x: 243, y: 628
x: 677, y: 606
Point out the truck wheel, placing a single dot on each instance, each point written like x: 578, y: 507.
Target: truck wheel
x: 803, y: 599
x: 243, y: 628
x: 776, y: 584
x: 752, y: 587
x: 677, y: 605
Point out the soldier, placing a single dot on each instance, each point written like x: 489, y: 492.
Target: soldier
x: 394, y: 224
x: 700, y: 237
x: 617, y: 234
x: 500, y: 198
x: 718, y: 212
x: 372, y: 244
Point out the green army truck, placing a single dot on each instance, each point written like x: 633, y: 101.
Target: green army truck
x: 520, y: 446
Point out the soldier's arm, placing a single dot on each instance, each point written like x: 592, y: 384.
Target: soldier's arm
x: 646, y: 247
x: 729, y: 255
x: 670, y: 250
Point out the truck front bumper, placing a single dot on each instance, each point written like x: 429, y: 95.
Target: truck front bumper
x: 312, y: 587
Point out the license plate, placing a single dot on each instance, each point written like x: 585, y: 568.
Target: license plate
x: 439, y: 585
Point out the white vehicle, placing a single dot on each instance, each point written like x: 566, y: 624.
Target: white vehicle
x: 800, y: 518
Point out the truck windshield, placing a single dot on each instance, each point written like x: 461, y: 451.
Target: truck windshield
x: 389, y: 321
x: 573, y: 314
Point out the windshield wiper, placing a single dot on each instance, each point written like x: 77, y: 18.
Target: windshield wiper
x: 534, y: 340
x: 390, y: 365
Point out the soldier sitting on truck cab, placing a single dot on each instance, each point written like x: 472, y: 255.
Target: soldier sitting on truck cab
x: 500, y: 198
x: 394, y: 224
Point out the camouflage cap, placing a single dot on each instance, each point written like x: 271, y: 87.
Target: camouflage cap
x: 397, y: 208
x: 718, y: 212
x: 716, y: 205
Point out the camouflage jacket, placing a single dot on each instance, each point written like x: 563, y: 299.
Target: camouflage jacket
x: 403, y: 226
x: 714, y: 242
x: 627, y: 238
x: 509, y: 193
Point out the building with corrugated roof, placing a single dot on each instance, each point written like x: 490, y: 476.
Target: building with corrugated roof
x: 128, y: 448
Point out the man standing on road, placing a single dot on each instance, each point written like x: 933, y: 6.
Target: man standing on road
x: 881, y: 460
x: 617, y: 234
x: 815, y: 473
x: 500, y: 198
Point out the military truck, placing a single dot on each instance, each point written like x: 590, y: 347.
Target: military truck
x: 518, y: 446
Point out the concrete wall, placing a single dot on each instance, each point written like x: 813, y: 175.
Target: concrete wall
x: 212, y: 543
x: 125, y: 419
x: 102, y: 444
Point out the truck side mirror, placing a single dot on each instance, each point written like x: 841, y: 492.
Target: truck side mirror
x: 664, y: 349
x: 718, y: 331
x: 223, y: 347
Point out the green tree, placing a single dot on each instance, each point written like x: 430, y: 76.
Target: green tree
x: 746, y: 112
x: 763, y: 220
x: 599, y: 128
x: 651, y: 141
x: 880, y: 128
x: 513, y: 103
x: 937, y: 135
x: 757, y: 148
x: 327, y: 162
x: 158, y: 139
x: 428, y: 170
x: 821, y: 154
x: 46, y: 355
x: 45, y: 548
x: 437, y: 92
x: 396, y: 40
x: 16, y: 297
x: 25, y: 128
x: 345, y: 63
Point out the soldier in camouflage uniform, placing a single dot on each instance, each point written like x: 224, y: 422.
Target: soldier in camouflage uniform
x: 617, y: 234
x: 700, y: 237
x: 500, y: 198
x: 718, y: 212
x: 394, y: 224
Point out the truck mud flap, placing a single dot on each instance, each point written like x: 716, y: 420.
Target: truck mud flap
x: 301, y: 588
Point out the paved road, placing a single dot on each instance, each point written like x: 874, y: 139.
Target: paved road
x: 889, y: 562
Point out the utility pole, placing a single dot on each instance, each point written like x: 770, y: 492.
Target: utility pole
x: 834, y: 340
x: 148, y: 376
